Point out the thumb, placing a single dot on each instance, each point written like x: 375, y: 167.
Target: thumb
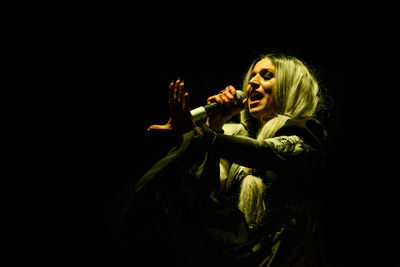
x: 160, y: 128
x: 166, y: 128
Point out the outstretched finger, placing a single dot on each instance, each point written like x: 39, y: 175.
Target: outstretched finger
x: 176, y: 89
x: 160, y: 128
x: 171, y: 92
x: 166, y: 128
x: 181, y: 92
x: 186, y: 105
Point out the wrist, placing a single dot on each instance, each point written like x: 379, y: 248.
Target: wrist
x: 216, y: 127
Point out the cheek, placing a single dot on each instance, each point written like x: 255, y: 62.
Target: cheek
x: 270, y: 102
x: 268, y: 87
x: 269, y: 91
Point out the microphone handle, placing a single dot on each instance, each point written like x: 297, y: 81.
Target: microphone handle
x: 201, y: 113
x: 213, y: 108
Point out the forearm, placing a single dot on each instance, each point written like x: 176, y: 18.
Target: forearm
x: 277, y: 153
x: 245, y: 151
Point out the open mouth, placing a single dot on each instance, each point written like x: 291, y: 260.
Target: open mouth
x: 255, y: 98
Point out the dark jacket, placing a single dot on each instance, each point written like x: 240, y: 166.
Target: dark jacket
x: 177, y: 214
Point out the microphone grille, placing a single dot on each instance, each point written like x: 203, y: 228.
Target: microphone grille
x: 240, y: 95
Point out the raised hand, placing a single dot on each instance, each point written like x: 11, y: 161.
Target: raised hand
x: 180, y: 120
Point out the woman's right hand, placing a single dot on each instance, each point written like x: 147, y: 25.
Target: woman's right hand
x: 181, y: 120
x: 225, y: 98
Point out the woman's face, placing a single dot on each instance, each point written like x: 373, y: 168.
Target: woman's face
x: 261, y: 90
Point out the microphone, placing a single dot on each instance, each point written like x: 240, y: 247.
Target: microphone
x: 214, y: 108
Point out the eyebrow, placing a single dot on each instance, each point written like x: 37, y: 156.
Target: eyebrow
x: 263, y: 68
x: 268, y: 68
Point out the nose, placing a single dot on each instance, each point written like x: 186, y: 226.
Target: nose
x: 254, y: 83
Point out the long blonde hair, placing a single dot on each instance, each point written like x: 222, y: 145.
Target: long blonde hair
x: 297, y: 96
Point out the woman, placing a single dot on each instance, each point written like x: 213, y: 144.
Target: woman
x: 244, y: 194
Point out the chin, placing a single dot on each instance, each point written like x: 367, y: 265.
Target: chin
x: 255, y: 113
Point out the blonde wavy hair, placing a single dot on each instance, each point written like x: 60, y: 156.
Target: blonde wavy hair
x: 297, y: 96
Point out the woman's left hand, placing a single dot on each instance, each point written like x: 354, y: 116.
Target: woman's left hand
x: 181, y: 120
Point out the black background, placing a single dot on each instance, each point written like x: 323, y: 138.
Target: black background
x: 118, y: 71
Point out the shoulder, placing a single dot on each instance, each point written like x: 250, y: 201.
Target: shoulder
x: 308, y: 129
